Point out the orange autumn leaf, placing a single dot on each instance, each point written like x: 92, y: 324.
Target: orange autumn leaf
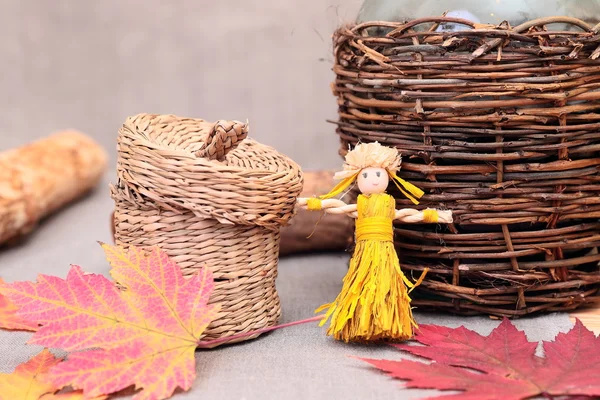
x: 25, y: 383
x: 29, y: 381
x: 8, y: 315
x: 146, y: 333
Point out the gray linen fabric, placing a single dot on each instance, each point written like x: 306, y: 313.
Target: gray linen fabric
x: 87, y: 65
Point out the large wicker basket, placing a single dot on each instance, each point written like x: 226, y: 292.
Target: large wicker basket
x: 501, y: 125
x: 209, y: 197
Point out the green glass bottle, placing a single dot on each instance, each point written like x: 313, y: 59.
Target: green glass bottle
x: 488, y: 12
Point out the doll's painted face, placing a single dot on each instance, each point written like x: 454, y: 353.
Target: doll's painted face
x: 372, y: 180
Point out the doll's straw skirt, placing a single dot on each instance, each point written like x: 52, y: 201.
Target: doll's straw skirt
x: 209, y: 197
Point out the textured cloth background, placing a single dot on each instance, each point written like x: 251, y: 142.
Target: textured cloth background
x: 88, y: 65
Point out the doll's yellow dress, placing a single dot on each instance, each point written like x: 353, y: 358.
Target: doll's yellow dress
x: 374, y: 302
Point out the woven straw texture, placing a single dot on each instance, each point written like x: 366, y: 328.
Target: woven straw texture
x: 210, y: 197
x: 500, y: 125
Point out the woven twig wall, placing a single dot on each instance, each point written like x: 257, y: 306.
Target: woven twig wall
x: 500, y: 125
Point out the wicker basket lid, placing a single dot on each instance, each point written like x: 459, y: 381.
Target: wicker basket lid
x: 211, y: 169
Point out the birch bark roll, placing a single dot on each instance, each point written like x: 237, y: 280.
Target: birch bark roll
x: 43, y: 176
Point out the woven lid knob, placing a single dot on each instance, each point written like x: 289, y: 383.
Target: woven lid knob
x: 223, y: 137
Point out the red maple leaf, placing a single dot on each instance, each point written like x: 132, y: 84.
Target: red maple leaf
x: 502, y: 365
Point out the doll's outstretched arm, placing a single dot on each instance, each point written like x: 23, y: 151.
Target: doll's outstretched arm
x: 329, y: 206
x: 409, y: 215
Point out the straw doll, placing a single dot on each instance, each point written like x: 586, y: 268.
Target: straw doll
x: 374, y: 302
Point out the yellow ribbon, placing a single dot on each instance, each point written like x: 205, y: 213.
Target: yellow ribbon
x: 408, y: 189
x: 374, y: 228
x: 430, y: 216
x: 340, y: 187
x: 411, y: 285
x: 313, y: 204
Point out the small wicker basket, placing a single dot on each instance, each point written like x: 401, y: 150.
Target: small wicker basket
x: 209, y: 197
x: 500, y: 125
